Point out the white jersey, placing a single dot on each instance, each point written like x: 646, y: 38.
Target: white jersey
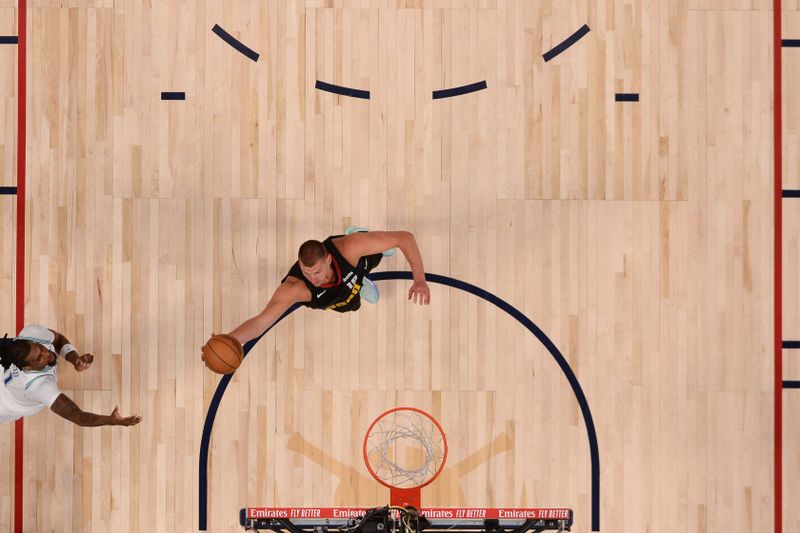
x: 26, y: 392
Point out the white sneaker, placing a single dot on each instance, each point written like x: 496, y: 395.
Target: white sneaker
x: 355, y: 229
x: 369, y: 291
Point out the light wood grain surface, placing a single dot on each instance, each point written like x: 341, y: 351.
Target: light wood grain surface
x: 637, y: 236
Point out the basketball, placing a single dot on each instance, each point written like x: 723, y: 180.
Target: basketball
x: 223, y: 353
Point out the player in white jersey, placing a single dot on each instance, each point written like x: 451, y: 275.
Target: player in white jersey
x: 29, y: 384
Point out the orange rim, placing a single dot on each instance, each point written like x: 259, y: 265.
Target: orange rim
x: 423, y: 413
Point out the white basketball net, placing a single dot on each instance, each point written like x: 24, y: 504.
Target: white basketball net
x: 405, y: 449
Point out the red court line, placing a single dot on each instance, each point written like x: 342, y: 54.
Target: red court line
x: 778, y: 220
x: 778, y: 266
x: 22, y: 25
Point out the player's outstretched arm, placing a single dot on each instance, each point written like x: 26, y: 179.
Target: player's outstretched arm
x: 289, y: 293
x: 367, y: 243
x: 70, y: 353
x: 66, y: 408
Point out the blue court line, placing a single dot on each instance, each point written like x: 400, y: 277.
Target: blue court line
x: 166, y: 95
x: 626, y: 97
x: 458, y: 91
x: 791, y: 345
x: 209, y: 424
x: 791, y: 193
x: 8, y: 190
x: 790, y: 43
x: 231, y: 40
x: 791, y: 384
x: 566, y: 43
x: 344, y: 91
x: 9, y: 39
x: 450, y: 282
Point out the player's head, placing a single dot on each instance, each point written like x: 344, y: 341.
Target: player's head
x: 315, y: 262
x: 24, y: 354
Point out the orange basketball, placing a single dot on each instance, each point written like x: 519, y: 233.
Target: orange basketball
x: 223, y: 353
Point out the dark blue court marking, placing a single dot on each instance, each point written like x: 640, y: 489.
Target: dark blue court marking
x: 791, y: 345
x: 791, y: 193
x: 231, y: 40
x: 9, y: 39
x: 344, y: 91
x: 458, y: 91
x: 450, y: 282
x: 626, y: 97
x: 173, y: 96
x: 566, y: 43
x: 791, y: 384
x: 8, y: 190
x: 211, y: 415
x: 790, y: 43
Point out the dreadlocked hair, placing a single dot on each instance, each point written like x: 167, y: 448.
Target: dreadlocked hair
x: 13, y: 352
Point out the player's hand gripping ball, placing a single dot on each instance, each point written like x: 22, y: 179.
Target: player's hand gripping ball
x: 223, y: 353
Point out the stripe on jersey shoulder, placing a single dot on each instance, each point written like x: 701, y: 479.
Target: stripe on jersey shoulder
x: 28, y: 384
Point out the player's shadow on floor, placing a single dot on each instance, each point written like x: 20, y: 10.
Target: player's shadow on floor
x: 351, y: 477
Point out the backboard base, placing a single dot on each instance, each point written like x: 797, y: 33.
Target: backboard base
x: 404, y: 520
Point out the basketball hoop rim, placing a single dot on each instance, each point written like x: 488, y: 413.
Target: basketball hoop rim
x: 423, y: 413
